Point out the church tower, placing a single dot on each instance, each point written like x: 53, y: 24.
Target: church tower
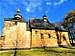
x: 45, y: 18
x: 17, y: 16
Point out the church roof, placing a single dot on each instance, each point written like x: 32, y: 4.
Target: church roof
x: 60, y: 27
x: 41, y: 24
x: 8, y: 19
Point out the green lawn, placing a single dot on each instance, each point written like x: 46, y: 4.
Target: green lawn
x: 42, y: 52
x: 6, y: 53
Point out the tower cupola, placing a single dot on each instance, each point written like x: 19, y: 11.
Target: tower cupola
x: 45, y: 18
x: 17, y: 16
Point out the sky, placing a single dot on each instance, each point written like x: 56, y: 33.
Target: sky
x: 54, y: 9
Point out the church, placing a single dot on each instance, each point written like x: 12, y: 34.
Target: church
x: 18, y: 33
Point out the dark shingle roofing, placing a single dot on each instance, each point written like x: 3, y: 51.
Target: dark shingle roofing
x: 40, y: 24
x: 8, y: 19
x: 60, y: 27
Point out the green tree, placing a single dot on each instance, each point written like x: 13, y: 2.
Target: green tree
x: 69, y: 22
x: 69, y: 19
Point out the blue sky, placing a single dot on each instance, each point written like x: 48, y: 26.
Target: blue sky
x: 54, y: 9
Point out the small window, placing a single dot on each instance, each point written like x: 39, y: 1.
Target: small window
x: 15, y: 23
x: 35, y: 32
x: 49, y: 35
x: 64, y: 37
x: 41, y: 36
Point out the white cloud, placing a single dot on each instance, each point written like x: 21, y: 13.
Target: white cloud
x: 55, y: 2
x: 48, y: 3
x: 59, y: 2
x: 28, y: 5
x: 27, y: 9
x: 31, y: 6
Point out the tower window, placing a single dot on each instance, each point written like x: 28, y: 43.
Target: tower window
x: 64, y: 37
x: 49, y: 35
x: 41, y: 36
x: 15, y: 23
x: 36, y: 32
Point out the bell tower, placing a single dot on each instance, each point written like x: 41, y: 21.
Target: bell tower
x: 17, y: 16
x: 45, y: 18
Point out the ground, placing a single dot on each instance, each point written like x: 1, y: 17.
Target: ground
x: 41, y: 52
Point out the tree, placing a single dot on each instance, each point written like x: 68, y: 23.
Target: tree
x: 69, y: 22
x: 70, y: 18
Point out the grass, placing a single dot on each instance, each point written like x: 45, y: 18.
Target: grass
x: 6, y: 53
x: 42, y: 52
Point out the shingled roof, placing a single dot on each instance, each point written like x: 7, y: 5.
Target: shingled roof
x: 60, y: 27
x: 8, y: 19
x: 45, y: 24
x: 40, y: 24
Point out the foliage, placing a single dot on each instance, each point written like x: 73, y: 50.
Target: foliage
x: 69, y: 19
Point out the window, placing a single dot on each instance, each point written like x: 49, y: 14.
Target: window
x: 15, y: 23
x: 35, y: 32
x: 64, y: 37
x: 49, y: 35
x: 41, y: 36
